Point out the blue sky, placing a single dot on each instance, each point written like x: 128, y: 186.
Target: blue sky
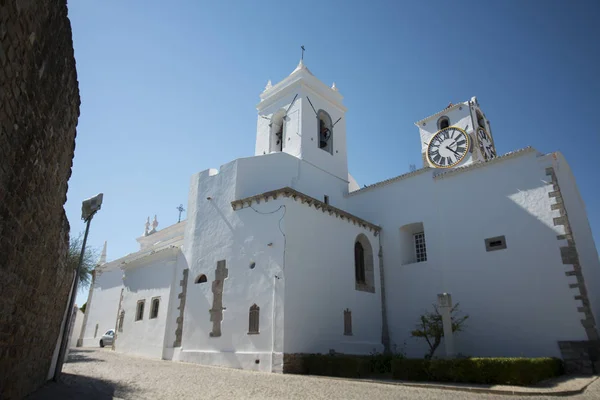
x: 170, y: 88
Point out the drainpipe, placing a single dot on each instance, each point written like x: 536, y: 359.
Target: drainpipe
x: 385, y: 334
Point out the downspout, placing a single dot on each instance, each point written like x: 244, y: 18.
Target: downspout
x: 385, y: 334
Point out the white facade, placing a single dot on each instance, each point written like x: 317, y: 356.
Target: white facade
x: 283, y: 253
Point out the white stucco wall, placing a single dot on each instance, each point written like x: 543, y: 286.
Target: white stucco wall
x: 582, y: 232
x: 105, y: 301
x: 257, y: 175
x: 518, y: 299
x: 147, y: 279
x: 77, y: 325
x: 215, y: 232
x: 320, y: 285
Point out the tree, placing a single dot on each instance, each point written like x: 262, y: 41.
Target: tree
x: 431, y: 328
x: 82, y: 308
x: 90, y: 258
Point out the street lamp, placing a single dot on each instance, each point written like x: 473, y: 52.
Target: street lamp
x: 89, y: 208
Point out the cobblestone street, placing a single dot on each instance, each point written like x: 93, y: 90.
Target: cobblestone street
x: 103, y: 374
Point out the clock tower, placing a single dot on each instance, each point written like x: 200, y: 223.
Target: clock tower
x: 456, y: 136
x: 304, y: 117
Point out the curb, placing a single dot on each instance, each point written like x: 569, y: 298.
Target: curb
x: 470, y: 389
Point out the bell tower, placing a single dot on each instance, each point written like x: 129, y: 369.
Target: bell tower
x: 457, y: 136
x: 304, y: 117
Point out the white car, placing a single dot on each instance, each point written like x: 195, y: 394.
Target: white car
x: 107, y: 338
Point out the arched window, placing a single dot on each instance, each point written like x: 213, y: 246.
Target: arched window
x: 443, y: 122
x: 277, y: 131
x: 364, y: 273
x: 359, y: 263
x: 154, y: 307
x: 200, y: 279
x: 253, y: 319
x: 325, y: 131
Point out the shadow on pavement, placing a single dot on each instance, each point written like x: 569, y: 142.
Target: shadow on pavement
x: 81, y: 387
x: 75, y: 358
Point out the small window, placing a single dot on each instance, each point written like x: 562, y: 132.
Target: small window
x: 420, y: 247
x: 96, y: 331
x: 326, y: 199
x: 413, y: 248
x: 121, y: 319
x: 139, y: 315
x: 200, y: 279
x: 495, y: 243
x: 347, y: 322
x: 154, y: 309
x: 253, y: 320
x: 443, y: 122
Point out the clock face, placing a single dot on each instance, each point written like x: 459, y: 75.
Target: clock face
x: 486, y: 146
x: 448, y: 147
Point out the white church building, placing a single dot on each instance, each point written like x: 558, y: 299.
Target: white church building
x: 282, y: 253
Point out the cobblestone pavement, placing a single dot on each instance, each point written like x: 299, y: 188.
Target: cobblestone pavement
x: 102, y: 374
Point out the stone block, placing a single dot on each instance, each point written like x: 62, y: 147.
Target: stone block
x: 34, y: 170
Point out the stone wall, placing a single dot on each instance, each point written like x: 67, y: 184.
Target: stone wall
x: 581, y: 357
x: 39, y: 108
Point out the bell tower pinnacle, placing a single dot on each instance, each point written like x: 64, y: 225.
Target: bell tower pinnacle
x: 304, y: 117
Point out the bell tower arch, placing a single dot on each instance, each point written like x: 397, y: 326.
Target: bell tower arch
x: 304, y: 117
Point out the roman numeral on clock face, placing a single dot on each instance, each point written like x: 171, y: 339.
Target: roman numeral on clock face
x: 448, y: 147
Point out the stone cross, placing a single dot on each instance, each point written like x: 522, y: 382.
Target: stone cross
x: 216, y: 312
x: 445, y: 306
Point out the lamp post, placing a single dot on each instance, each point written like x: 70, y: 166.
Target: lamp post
x: 89, y: 208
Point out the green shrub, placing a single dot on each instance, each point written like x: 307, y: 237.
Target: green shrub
x: 506, y: 371
x: 335, y: 365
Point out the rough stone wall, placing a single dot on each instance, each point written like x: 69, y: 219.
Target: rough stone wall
x: 581, y: 357
x: 39, y: 108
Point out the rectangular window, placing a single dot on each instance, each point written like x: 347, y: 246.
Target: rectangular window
x: 139, y: 315
x: 495, y: 243
x: 420, y: 247
x: 347, y: 322
x: 121, y: 319
x: 326, y: 199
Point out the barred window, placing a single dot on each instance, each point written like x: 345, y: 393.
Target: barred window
x: 420, y: 247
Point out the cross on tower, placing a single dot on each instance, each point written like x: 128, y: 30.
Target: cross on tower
x: 181, y: 209
x: 302, y: 47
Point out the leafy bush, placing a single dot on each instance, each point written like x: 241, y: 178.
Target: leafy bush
x: 340, y: 365
x: 506, y: 371
x: 335, y: 365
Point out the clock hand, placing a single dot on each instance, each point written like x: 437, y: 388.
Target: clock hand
x: 453, y: 151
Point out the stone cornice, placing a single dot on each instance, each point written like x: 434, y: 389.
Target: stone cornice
x: 147, y: 256
x: 391, y: 180
x: 445, y: 172
x: 288, y: 192
x: 442, y: 112
x: 441, y: 173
